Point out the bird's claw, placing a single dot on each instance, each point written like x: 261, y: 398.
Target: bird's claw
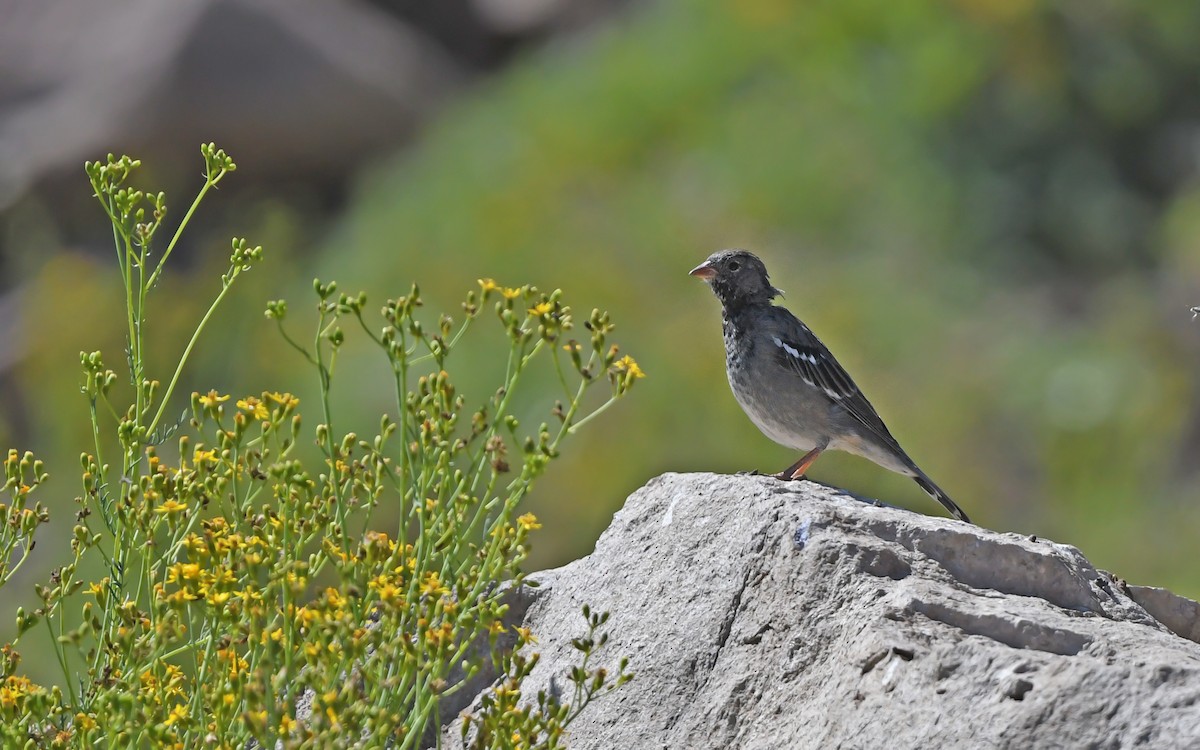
x: 783, y: 476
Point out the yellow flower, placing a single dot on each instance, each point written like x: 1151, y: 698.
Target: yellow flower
x: 85, y: 721
x: 496, y: 628
x: 170, y: 506
x: 183, y: 595
x: 306, y: 617
x: 378, y: 540
x: 202, y: 456
x: 511, y: 292
x: 528, y: 522
x: 211, y: 399
x: 541, y: 308
x: 174, y: 680
x: 148, y: 680
x: 10, y: 694
x: 178, y: 713
x: 286, y: 400
x: 525, y: 635
x: 183, y: 572
x: 237, y: 665
x: 629, y: 364
x: 286, y: 724
x: 432, y: 585
x: 488, y: 285
x: 254, y: 407
x: 334, y: 598
x: 440, y: 636
x: 390, y: 592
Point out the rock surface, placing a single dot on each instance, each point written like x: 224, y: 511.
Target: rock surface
x: 759, y: 614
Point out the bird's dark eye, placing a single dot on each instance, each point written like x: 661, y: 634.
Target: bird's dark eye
x: 734, y: 265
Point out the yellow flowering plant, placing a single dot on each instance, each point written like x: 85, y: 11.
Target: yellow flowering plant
x: 249, y: 597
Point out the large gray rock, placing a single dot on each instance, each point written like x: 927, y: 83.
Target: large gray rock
x: 759, y: 614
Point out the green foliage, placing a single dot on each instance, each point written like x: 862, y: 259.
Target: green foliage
x: 19, y: 522
x: 506, y: 720
x: 242, y: 583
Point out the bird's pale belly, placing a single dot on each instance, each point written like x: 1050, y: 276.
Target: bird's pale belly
x: 799, y: 427
x: 785, y: 423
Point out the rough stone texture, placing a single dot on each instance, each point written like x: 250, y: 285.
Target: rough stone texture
x: 759, y: 614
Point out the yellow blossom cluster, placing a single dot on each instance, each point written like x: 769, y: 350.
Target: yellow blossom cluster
x: 153, y: 689
x: 628, y: 364
x: 193, y: 582
x: 219, y: 540
x: 209, y: 572
x: 256, y: 576
x: 211, y: 400
x: 528, y: 522
x: 15, y: 689
x: 270, y: 405
x: 247, y: 563
x: 432, y: 585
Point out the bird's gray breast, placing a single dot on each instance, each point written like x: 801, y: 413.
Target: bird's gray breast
x: 768, y: 394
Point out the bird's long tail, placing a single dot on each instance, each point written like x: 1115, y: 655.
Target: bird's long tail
x: 925, y: 483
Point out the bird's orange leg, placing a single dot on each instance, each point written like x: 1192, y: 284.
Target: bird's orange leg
x: 796, y: 470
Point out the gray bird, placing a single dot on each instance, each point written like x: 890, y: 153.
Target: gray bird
x: 788, y: 382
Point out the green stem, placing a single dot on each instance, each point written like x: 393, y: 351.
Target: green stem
x: 62, y: 658
x: 293, y: 343
x: 599, y: 410
x: 208, y: 184
x: 187, y: 352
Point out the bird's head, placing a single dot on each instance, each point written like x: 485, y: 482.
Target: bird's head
x: 737, y: 277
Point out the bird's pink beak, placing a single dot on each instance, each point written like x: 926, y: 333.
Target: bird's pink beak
x: 703, y: 271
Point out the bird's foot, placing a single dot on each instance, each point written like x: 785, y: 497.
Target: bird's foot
x: 800, y: 468
x: 787, y: 476
x: 751, y: 473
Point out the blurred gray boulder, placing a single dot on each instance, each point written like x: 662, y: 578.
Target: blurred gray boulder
x: 289, y: 88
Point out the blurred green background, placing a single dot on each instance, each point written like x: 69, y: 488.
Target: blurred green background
x: 988, y: 209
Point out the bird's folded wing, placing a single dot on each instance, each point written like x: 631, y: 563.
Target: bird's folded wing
x: 807, y: 357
